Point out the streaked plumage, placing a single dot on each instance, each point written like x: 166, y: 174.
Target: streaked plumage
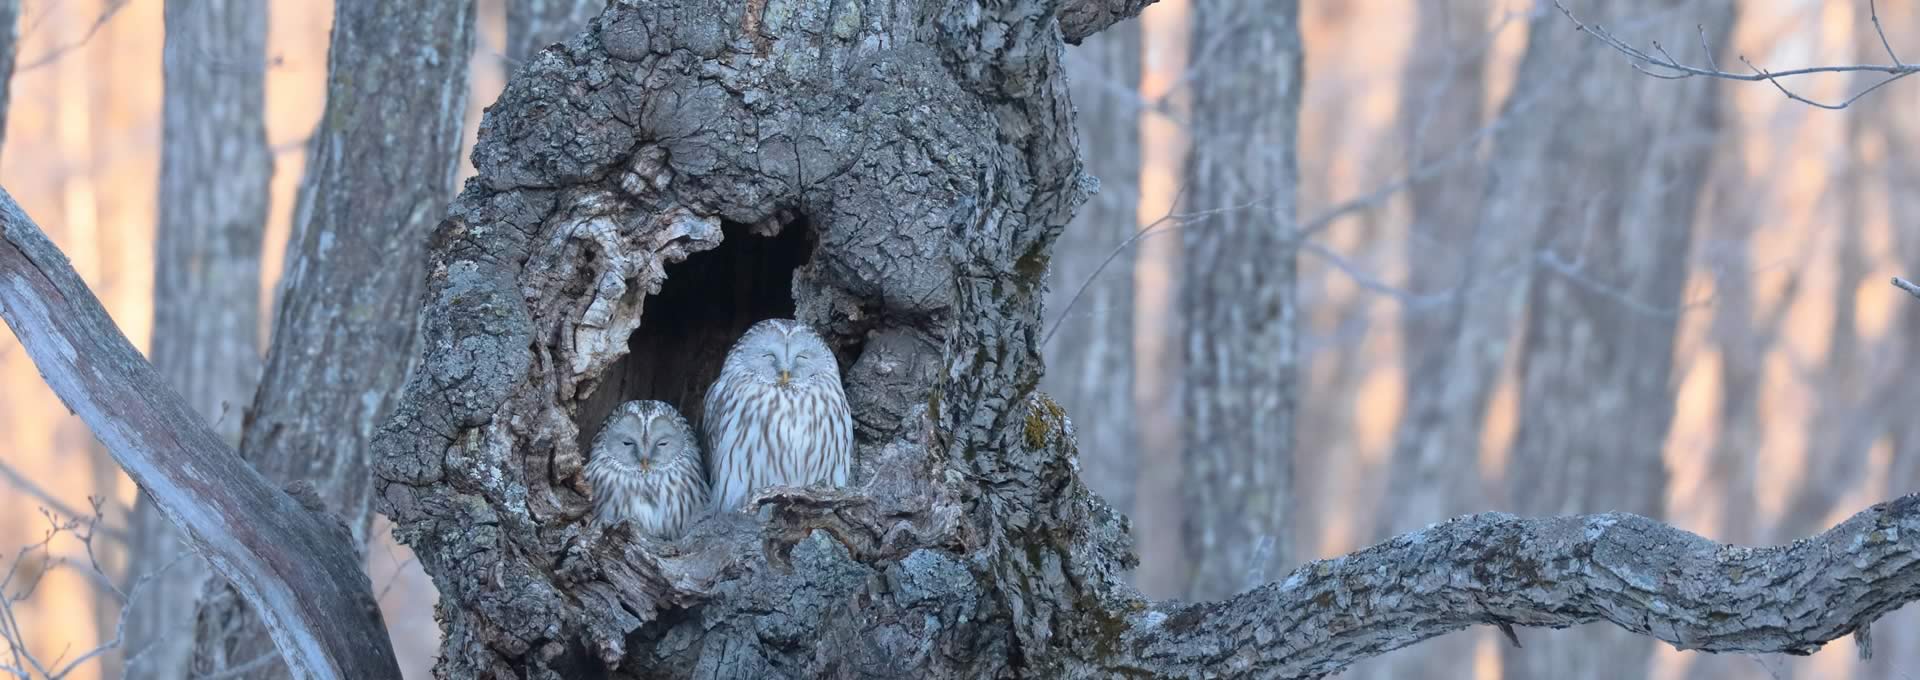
x: 645, y: 468
x: 777, y: 415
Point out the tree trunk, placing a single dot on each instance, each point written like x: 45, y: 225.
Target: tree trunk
x: 1628, y: 155
x: 214, y: 168
x: 1237, y: 292
x: 1089, y: 355
x: 532, y: 25
x: 381, y: 171
x: 1442, y: 112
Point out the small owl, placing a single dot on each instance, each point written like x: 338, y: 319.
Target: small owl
x: 645, y: 468
x: 777, y: 416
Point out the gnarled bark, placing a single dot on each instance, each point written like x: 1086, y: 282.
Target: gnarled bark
x: 893, y: 175
x: 287, y: 556
x: 380, y: 173
x: 214, y: 171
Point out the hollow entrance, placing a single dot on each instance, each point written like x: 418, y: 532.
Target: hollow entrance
x: 707, y: 302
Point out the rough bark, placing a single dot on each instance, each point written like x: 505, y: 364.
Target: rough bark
x: 1090, y: 355
x: 1237, y: 293
x: 532, y: 25
x: 9, y: 50
x: 296, y: 563
x: 381, y: 172
x: 214, y: 169
x: 1595, y: 375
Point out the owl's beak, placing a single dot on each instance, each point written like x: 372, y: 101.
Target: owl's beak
x: 786, y: 377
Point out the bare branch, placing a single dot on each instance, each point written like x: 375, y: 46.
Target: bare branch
x: 27, y: 486
x: 295, y: 566
x: 99, y: 22
x: 1495, y: 568
x: 1909, y: 286
x: 1661, y: 64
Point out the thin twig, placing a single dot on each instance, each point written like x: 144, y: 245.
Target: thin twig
x: 21, y: 483
x: 1676, y: 70
x: 53, y: 55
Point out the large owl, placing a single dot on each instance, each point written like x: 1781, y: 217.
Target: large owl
x: 645, y: 468
x: 777, y: 415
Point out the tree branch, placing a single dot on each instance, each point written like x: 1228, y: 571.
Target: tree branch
x: 297, y: 567
x: 1659, y: 63
x: 1082, y: 18
x: 1909, y: 286
x: 1501, y: 570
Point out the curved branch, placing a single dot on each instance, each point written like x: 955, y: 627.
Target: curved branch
x: 294, y: 565
x: 1502, y: 570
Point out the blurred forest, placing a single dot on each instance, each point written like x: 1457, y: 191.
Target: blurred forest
x: 1531, y: 279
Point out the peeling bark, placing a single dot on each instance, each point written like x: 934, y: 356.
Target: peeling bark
x: 1090, y: 357
x: 381, y: 170
x: 295, y: 563
x: 214, y: 170
x: 1237, y: 294
x: 1595, y: 374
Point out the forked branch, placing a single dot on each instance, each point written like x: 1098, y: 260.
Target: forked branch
x: 296, y: 566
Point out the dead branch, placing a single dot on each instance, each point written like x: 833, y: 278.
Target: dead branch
x: 294, y: 565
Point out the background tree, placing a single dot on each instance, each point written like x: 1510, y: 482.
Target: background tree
x: 1604, y: 302
x: 353, y: 276
x: 1238, y: 294
x: 215, y: 167
x: 1089, y: 343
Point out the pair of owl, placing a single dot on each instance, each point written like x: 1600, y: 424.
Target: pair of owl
x: 776, y: 416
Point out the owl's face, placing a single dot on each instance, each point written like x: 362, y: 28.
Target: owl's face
x: 783, y: 352
x: 646, y: 441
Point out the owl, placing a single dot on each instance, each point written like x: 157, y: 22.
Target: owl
x: 777, y: 415
x: 645, y: 468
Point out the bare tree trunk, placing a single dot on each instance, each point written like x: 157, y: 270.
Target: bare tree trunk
x: 381, y: 172
x: 214, y: 169
x: 1238, y: 293
x: 1629, y: 154
x: 532, y: 25
x: 1442, y: 111
x: 1090, y: 356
